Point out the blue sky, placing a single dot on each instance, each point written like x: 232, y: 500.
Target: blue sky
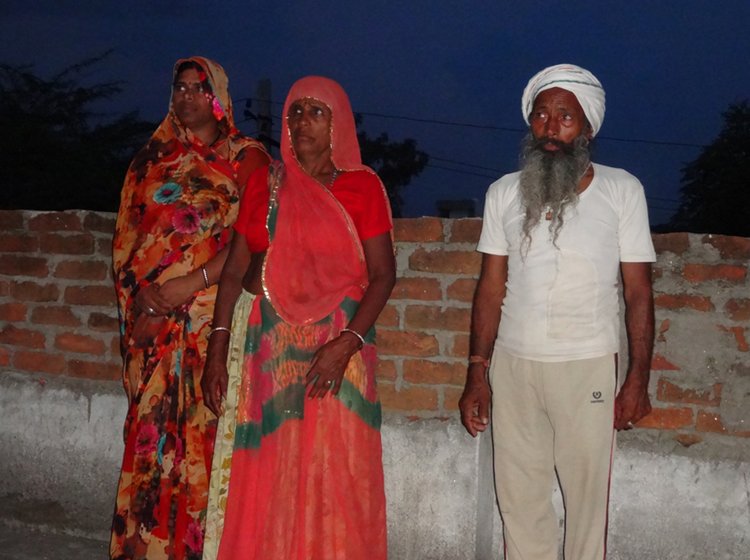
x: 669, y: 69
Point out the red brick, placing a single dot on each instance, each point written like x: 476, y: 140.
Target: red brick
x: 659, y: 362
x: 730, y: 248
x: 739, y: 337
x: 738, y: 309
x: 663, y: 328
x: 11, y: 219
x: 436, y: 318
x: 56, y: 315
x: 425, y: 372
x: 21, y: 337
x: 90, y: 295
x: 39, y: 362
x: 670, y: 392
x: 94, y: 221
x: 4, y: 357
x: 18, y: 243
x: 408, y: 398
x: 451, y: 395
x: 114, y: 346
x: 82, y: 270
x: 104, y: 247
x: 386, y: 369
x: 55, y: 221
x: 706, y: 272
x: 104, y: 323
x: 417, y: 288
x: 76, y: 244
x: 712, y: 422
x: 460, y: 346
x: 676, y: 243
x: 4, y: 288
x: 81, y: 344
x: 462, y: 289
x: 683, y: 301
x: 31, y: 291
x: 388, y: 317
x: 667, y: 418
x: 19, y: 265
x: 94, y: 370
x: 446, y: 262
x: 466, y: 230
x: 405, y: 343
x: 12, y: 312
x: 418, y: 230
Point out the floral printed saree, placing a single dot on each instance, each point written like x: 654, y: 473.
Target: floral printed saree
x: 178, y: 203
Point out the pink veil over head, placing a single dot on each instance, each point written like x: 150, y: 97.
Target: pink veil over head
x: 315, y: 258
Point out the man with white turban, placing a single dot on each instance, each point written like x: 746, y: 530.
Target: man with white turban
x: 556, y: 238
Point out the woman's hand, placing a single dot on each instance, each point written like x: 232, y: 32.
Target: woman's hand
x: 215, y: 375
x: 150, y: 301
x: 329, y: 365
x: 145, y: 330
x: 177, y: 291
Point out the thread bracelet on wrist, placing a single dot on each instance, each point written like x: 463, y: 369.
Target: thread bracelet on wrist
x: 476, y: 359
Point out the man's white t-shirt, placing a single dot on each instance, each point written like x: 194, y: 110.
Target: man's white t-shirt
x: 561, y: 299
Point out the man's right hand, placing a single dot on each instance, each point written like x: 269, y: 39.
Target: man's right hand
x: 475, y: 401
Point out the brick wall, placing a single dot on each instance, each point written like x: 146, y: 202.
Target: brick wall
x: 58, y: 312
x: 58, y: 316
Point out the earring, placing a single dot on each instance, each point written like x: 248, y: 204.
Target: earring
x: 216, y: 109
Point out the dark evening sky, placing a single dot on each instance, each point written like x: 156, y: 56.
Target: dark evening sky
x: 669, y: 69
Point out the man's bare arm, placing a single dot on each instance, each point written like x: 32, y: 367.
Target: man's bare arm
x: 485, y: 319
x: 633, y: 402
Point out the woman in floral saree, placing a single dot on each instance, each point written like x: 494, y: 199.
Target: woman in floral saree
x: 297, y: 470
x: 180, y: 198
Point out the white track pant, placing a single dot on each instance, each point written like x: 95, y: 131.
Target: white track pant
x: 547, y: 417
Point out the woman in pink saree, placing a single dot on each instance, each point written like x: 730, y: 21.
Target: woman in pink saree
x: 300, y: 475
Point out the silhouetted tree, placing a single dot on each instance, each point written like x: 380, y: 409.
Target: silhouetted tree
x: 395, y: 162
x: 716, y: 185
x: 53, y: 155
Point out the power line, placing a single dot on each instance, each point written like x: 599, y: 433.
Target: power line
x: 466, y: 164
x: 504, y: 128
x: 461, y: 171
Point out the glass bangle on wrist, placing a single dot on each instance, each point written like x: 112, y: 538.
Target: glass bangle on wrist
x: 355, y: 333
x: 218, y: 329
x: 205, y: 276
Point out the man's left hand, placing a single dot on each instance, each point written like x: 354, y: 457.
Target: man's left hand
x: 632, y: 402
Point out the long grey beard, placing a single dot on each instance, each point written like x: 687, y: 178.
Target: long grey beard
x: 548, y: 183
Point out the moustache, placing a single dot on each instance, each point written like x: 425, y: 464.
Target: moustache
x: 563, y: 147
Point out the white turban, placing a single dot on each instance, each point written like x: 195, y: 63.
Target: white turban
x: 581, y: 83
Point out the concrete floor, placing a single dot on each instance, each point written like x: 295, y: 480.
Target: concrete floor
x: 19, y: 542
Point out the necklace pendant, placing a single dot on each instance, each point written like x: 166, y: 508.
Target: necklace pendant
x: 548, y: 216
